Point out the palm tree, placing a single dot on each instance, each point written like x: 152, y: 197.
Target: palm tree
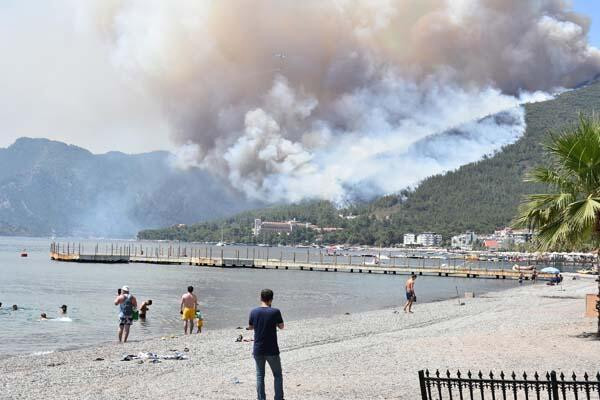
x: 569, y: 216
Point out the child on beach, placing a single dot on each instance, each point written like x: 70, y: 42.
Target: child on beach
x: 200, y: 321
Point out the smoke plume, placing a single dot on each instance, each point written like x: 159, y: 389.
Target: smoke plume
x: 318, y: 98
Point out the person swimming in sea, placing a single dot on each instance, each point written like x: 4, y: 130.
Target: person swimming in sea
x: 15, y: 307
x: 63, y: 309
x: 44, y: 317
x: 144, y: 308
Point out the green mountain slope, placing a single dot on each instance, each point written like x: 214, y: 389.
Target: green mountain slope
x: 480, y: 196
x: 485, y: 195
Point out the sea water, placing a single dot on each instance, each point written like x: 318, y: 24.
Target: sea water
x: 38, y: 285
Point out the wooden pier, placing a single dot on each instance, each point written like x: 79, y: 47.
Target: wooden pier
x: 281, y: 264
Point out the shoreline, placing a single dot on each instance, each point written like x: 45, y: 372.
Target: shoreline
x: 176, y: 328
x: 372, y: 354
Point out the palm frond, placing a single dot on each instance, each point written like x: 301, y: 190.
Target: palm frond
x: 583, y: 213
x: 551, y: 177
x: 577, y: 152
x: 571, y: 216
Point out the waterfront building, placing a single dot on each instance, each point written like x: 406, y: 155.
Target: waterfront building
x: 410, y: 239
x: 429, y: 239
x: 507, y: 238
x: 491, y: 244
x: 272, y: 227
x: 521, y: 236
x: 464, y: 241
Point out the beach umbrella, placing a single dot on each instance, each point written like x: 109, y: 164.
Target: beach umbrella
x: 550, y: 270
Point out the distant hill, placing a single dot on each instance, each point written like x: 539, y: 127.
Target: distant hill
x: 480, y: 196
x: 49, y: 187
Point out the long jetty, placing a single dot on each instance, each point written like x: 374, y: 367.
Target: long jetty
x: 205, y: 258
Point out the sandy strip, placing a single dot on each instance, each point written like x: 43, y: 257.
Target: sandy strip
x: 371, y: 355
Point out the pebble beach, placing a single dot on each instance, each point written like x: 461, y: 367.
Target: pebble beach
x: 368, y: 355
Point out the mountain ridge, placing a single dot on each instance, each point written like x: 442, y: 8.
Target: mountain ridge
x: 49, y: 187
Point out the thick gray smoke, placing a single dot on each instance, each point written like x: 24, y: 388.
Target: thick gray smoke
x: 294, y: 99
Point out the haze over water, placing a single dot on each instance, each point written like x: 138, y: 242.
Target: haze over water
x: 38, y: 285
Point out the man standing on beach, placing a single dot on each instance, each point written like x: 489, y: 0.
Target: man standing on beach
x: 126, y: 303
x: 410, y: 293
x: 189, y: 301
x: 265, y: 320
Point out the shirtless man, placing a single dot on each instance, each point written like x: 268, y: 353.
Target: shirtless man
x: 410, y: 293
x: 144, y: 309
x: 189, y: 302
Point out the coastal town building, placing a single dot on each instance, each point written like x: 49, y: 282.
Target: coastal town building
x: 429, y: 239
x: 272, y: 227
x: 507, y: 238
x: 464, y: 241
x: 491, y: 244
x: 410, y: 239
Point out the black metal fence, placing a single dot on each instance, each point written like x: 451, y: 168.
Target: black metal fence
x: 439, y: 386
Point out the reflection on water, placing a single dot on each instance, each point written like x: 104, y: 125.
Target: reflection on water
x: 39, y: 285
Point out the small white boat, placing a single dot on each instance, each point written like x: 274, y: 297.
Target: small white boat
x: 523, y: 268
x: 586, y: 271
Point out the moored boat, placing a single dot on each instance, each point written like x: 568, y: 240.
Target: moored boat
x: 587, y: 271
x: 523, y: 268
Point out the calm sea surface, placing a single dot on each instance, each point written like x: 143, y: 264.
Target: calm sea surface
x: 37, y: 284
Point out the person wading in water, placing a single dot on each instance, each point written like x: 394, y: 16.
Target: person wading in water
x: 126, y: 303
x: 189, y: 302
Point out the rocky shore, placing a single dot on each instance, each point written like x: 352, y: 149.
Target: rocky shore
x: 371, y: 355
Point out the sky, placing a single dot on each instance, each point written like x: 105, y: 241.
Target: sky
x: 60, y: 99
x: 591, y: 8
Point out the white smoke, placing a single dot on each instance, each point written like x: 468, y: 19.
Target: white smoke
x: 324, y: 98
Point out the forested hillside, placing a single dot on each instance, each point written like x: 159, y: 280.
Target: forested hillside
x: 480, y: 196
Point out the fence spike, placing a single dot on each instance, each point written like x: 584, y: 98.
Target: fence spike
x: 469, y: 374
x: 574, y: 376
x: 491, y: 375
x: 448, y: 373
x: 480, y: 375
x: 536, y: 376
x: 458, y: 374
x: 547, y: 375
x: 585, y: 376
x: 513, y: 375
x: 598, y: 376
x: 427, y: 373
x: 562, y: 376
x: 502, y: 375
x: 524, y: 375
x: 437, y: 373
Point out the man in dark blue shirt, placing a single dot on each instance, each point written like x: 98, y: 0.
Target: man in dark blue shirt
x: 265, y: 320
